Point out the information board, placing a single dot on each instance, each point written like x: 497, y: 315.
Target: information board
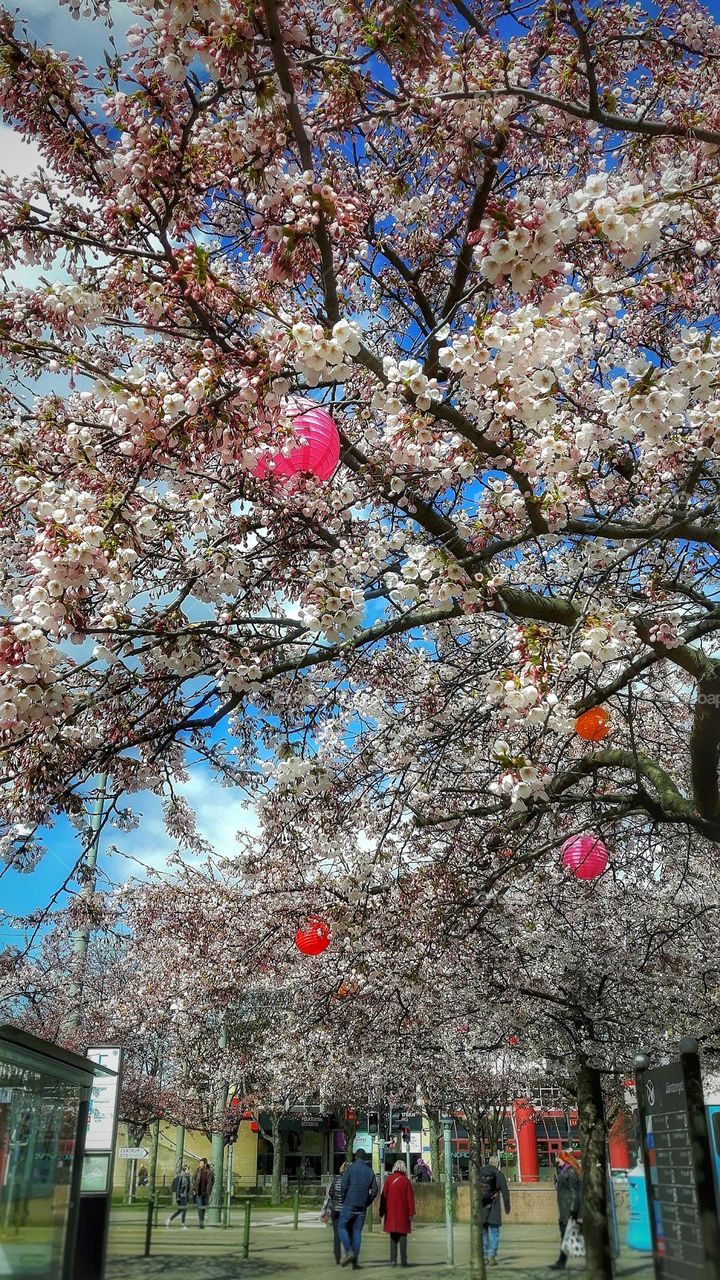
x: 103, y: 1103
x: 95, y: 1175
x: 673, y: 1128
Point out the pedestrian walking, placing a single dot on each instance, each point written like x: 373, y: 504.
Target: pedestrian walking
x: 181, y: 1187
x: 203, y: 1183
x: 422, y: 1171
x: 568, y: 1192
x: 359, y: 1188
x: 332, y: 1206
x: 495, y: 1196
x: 397, y: 1210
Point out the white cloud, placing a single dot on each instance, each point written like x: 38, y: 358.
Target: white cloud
x: 220, y: 815
x: 17, y: 157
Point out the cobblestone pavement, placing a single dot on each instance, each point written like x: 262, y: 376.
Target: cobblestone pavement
x: 276, y: 1250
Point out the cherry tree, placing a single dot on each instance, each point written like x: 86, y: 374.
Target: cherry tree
x: 488, y: 243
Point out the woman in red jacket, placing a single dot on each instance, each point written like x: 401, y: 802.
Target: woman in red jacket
x: 397, y: 1208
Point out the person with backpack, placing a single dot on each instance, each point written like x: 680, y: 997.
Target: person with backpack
x: 397, y: 1209
x: 332, y: 1205
x: 495, y: 1194
x: 181, y: 1188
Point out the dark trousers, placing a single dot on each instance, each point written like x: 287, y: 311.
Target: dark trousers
x: 335, y: 1219
x: 398, y: 1238
x: 562, y: 1259
x: 350, y: 1225
x: 180, y: 1211
x: 202, y: 1203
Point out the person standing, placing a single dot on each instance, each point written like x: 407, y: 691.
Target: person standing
x: 203, y: 1183
x: 568, y: 1192
x: 332, y: 1206
x: 397, y: 1209
x: 358, y: 1188
x: 496, y: 1195
x: 422, y: 1171
x: 181, y: 1186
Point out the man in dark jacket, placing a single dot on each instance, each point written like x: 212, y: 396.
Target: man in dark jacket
x: 567, y: 1190
x: 359, y: 1188
x: 496, y: 1194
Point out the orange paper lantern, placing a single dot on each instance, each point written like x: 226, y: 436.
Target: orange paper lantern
x: 347, y: 988
x: 593, y: 725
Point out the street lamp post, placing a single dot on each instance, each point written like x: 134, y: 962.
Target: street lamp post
x: 152, y: 1189
x: 450, y: 1244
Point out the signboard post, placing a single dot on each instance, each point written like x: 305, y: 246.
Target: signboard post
x: 678, y: 1167
x: 96, y: 1184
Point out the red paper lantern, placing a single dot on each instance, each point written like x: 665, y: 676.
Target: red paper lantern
x: 254, y: 1127
x: 317, y: 454
x: 314, y: 937
x: 593, y: 725
x: 585, y: 856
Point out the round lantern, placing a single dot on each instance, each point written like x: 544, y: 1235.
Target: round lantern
x: 254, y: 1127
x: 348, y: 988
x: 313, y: 938
x: 585, y: 856
x: 318, y: 450
x: 593, y: 725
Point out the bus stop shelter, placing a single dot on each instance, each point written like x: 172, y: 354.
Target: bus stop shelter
x: 45, y: 1094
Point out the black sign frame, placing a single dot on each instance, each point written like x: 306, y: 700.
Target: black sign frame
x: 678, y: 1168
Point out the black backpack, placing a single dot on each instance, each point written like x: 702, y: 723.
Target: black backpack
x: 488, y: 1185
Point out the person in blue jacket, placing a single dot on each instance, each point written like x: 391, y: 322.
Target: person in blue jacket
x: 358, y: 1188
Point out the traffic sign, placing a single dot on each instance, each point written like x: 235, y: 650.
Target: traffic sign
x: 133, y: 1153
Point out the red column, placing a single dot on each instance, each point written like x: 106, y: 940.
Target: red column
x: 524, y: 1116
x: 618, y: 1143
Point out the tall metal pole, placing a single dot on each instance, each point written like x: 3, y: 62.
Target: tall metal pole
x: 81, y: 940
x: 447, y: 1122
x: 217, y: 1154
x: 152, y: 1192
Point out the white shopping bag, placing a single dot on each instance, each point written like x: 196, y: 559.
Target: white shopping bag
x: 573, y: 1244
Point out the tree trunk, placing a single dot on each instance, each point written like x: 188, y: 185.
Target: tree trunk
x: 477, y: 1260
x: 179, y: 1146
x: 277, y: 1146
x: 437, y: 1154
x: 135, y: 1135
x: 593, y: 1141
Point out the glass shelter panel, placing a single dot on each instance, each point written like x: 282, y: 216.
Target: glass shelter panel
x: 38, y: 1125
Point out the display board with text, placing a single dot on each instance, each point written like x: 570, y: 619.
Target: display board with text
x: 676, y: 1153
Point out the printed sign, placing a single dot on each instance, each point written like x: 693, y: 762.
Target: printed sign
x: 95, y: 1174
x: 133, y: 1153
x: 103, y: 1102
x: 671, y: 1127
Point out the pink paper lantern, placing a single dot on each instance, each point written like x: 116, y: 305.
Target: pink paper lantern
x: 318, y: 452
x: 585, y: 856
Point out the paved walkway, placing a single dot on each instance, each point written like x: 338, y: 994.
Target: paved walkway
x: 306, y: 1254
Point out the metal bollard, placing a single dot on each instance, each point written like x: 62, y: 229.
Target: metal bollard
x: 149, y: 1225
x: 296, y: 1209
x: 246, y: 1229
